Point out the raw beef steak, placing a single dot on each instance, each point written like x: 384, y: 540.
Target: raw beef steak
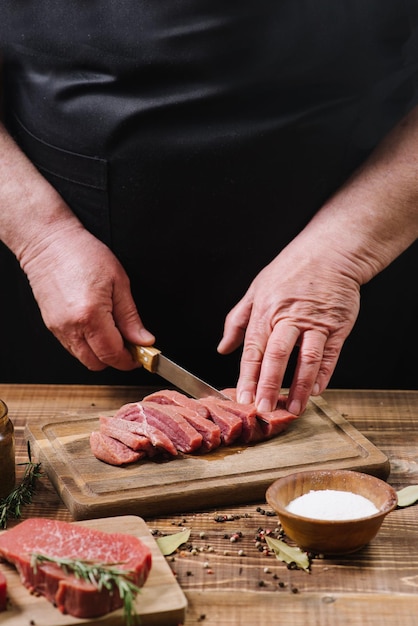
x: 65, y: 540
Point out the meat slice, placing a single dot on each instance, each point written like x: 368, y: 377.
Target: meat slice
x: 183, y: 435
x: 3, y: 592
x: 110, y: 427
x: 211, y: 433
x: 230, y: 392
x: 171, y: 396
x: 134, y: 415
x: 251, y: 430
x: 66, y: 540
x: 111, y: 450
x: 230, y: 424
x: 273, y: 422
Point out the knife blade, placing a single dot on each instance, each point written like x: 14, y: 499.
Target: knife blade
x: 155, y: 362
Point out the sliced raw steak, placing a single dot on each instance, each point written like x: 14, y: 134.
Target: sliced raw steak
x: 164, y: 416
x: 134, y: 414
x: 211, y: 433
x: 184, y: 437
x: 3, y: 592
x: 251, y: 430
x: 273, y: 422
x: 230, y: 424
x: 171, y: 396
x: 65, y: 540
x: 111, y: 450
x: 110, y: 426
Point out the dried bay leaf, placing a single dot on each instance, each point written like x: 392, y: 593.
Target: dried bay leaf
x: 170, y: 543
x: 408, y: 495
x: 288, y: 554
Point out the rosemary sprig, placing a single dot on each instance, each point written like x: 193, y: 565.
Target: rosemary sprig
x: 11, y: 505
x: 105, y: 575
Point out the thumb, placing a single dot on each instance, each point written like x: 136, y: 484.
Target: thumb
x: 129, y: 323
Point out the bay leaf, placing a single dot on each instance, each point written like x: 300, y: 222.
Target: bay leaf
x: 169, y: 543
x: 407, y: 495
x: 288, y: 554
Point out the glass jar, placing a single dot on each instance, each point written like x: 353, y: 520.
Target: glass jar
x: 7, y: 453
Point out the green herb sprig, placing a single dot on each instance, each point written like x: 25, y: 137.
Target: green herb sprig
x: 22, y: 494
x: 102, y: 575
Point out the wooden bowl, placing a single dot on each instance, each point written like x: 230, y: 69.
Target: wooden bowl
x: 330, y: 536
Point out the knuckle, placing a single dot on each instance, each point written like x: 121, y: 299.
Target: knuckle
x: 312, y: 355
x: 252, y: 354
x: 278, y: 350
x: 303, y: 386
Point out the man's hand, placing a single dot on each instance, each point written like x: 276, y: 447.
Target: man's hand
x: 85, y: 299
x: 81, y: 288
x: 300, y: 299
x: 309, y: 295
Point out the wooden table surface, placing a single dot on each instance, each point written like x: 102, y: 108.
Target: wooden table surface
x: 233, y: 583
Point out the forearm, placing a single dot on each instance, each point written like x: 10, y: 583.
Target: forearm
x: 373, y: 218
x: 31, y: 211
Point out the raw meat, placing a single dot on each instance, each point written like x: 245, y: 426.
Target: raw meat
x: 170, y: 421
x: 247, y: 414
x: 171, y: 396
x: 65, y: 540
x: 184, y: 436
x: 133, y: 413
x: 211, y: 433
x: 230, y: 424
x: 130, y: 439
x: 270, y: 423
x: 111, y: 450
x: 3, y: 592
x: 275, y: 422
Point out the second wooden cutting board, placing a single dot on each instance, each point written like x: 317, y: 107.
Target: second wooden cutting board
x: 321, y: 438
x: 161, y: 601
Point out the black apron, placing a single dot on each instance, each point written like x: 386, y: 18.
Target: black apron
x: 197, y: 139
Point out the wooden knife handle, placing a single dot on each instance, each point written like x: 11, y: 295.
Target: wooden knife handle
x: 146, y: 355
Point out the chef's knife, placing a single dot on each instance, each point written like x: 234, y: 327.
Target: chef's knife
x: 155, y: 362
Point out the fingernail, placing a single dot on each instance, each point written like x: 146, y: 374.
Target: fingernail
x: 245, y: 397
x: 264, y: 406
x: 315, y: 389
x: 294, y: 407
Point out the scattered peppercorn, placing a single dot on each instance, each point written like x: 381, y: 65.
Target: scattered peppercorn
x: 227, y: 518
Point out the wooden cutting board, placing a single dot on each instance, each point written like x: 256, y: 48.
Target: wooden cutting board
x: 321, y: 438
x: 160, y: 603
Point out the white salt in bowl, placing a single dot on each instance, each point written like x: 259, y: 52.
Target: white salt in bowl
x: 331, y: 536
